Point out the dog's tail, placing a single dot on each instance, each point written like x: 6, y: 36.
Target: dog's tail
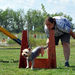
x: 42, y: 51
x: 45, y: 47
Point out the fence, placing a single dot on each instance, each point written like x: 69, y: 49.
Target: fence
x: 38, y: 36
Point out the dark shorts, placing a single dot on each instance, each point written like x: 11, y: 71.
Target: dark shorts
x: 65, y: 38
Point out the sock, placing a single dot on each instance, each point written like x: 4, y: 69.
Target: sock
x: 66, y: 61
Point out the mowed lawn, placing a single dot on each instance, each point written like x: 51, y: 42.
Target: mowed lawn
x: 9, y: 63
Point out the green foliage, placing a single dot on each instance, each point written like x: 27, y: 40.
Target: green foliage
x: 33, y: 42
x: 45, y: 13
x: 11, y: 42
x: 11, y: 20
x: 36, y: 19
x: 40, y: 28
x: 40, y: 42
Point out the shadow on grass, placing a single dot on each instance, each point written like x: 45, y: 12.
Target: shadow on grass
x: 35, y: 69
x: 71, y: 67
x: 9, y: 48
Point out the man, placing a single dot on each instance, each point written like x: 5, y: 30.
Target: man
x: 62, y: 29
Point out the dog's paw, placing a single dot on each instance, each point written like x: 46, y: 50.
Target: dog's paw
x: 27, y: 67
x: 31, y: 68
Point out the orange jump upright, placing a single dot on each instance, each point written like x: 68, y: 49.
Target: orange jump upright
x: 51, y: 51
x: 39, y: 62
x: 24, y: 44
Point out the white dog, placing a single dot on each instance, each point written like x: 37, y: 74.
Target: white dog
x: 31, y: 55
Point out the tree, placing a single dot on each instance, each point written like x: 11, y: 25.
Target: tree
x: 35, y: 18
x: 1, y: 19
x: 45, y: 14
x: 12, y: 21
x: 7, y: 19
x: 16, y: 21
x: 19, y: 20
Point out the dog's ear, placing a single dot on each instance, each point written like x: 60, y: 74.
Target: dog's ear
x: 29, y: 48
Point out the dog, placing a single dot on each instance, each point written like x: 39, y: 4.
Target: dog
x: 31, y: 55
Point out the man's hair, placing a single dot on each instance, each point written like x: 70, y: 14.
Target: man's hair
x: 50, y: 19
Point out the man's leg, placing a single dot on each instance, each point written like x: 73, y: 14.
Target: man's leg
x: 66, y: 50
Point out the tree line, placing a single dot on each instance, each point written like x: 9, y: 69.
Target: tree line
x: 16, y: 21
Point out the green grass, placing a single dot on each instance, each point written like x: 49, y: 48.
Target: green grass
x: 12, y: 68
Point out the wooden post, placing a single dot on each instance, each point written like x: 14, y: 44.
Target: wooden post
x: 24, y: 44
x: 51, y: 51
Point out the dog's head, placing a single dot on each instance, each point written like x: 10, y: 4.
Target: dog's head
x: 26, y: 52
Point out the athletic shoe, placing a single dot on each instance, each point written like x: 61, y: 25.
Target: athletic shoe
x: 66, y: 64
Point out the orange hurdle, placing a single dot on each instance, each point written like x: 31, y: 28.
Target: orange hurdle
x: 38, y: 62
x: 24, y: 44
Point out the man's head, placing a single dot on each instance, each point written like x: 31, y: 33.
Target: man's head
x: 49, y: 22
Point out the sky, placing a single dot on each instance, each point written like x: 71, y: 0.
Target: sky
x: 51, y: 6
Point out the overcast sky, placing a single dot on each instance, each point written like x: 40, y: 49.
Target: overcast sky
x: 51, y: 6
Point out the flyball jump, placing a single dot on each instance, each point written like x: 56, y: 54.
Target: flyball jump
x: 39, y: 62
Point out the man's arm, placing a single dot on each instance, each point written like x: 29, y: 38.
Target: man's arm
x: 72, y: 33
x: 47, y: 42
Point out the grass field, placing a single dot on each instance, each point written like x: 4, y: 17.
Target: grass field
x: 9, y: 63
